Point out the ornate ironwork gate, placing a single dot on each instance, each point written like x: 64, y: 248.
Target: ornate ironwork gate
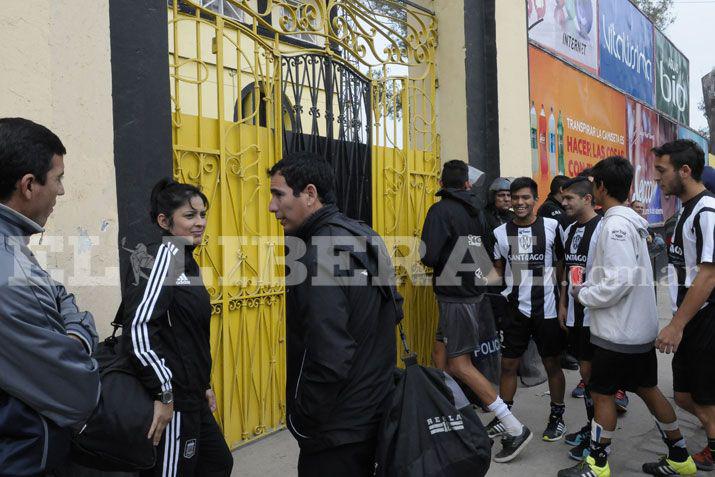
x: 351, y: 79
x: 336, y: 96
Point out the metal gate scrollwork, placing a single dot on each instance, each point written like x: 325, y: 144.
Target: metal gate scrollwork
x: 354, y: 81
x: 336, y: 96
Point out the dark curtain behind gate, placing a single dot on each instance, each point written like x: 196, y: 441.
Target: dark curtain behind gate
x: 326, y: 110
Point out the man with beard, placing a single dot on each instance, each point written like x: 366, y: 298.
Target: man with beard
x: 691, y: 271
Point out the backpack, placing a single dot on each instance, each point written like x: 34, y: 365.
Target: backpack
x: 114, y: 438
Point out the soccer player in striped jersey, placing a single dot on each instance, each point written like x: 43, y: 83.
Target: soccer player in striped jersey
x: 691, y: 271
x: 579, y: 243
x: 525, y: 251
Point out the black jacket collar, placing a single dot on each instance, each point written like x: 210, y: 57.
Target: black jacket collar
x: 314, y: 221
x: 463, y: 196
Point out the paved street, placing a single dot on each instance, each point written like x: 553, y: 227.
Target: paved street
x: 636, y: 438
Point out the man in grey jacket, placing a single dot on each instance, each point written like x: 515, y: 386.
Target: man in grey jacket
x: 46, y: 342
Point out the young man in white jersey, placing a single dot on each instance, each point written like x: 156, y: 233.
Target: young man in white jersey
x: 525, y: 251
x: 691, y: 272
x: 618, y: 293
x: 579, y: 240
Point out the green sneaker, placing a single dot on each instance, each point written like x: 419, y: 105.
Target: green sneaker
x: 586, y: 468
x: 666, y: 466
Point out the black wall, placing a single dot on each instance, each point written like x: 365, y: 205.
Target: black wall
x: 481, y: 85
x: 142, y: 116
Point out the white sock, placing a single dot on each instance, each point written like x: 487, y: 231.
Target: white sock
x: 598, y: 432
x: 502, y: 412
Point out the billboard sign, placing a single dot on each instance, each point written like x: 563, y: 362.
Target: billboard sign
x: 626, y: 49
x: 647, y: 130
x: 672, y: 73
x: 685, y: 133
x: 575, y: 121
x: 569, y: 29
x: 663, y: 207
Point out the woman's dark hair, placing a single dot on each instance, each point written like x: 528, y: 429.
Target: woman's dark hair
x: 522, y: 182
x: 616, y: 175
x: 25, y: 148
x: 167, y: 196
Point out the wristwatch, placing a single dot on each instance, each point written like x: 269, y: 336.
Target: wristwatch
x: 166, y: 397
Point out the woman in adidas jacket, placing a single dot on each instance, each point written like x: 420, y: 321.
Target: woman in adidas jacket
x: 167, y: 314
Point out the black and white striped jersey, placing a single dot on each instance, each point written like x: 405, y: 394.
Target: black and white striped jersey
x: 692, y: 243
x: 529, y: 253
x: 579, y: 248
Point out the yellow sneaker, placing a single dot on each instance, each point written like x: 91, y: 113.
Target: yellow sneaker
x: 586, y: 468
x: 666, y: 466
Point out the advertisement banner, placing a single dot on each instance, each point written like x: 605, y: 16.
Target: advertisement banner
x: 626, y: 49
x: 662, y: 206
x: 642, y: 137
x: 685, y: 133
x: 672, y: 83
x: 568, y: 28
x: 646, y: 130
x: 575, y: 120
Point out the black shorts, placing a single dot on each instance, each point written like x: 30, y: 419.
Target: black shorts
x: 458, y: 328
x: 579, y: 342
x: 612, y: 371
x: 694, y: 362
x: 518, y: 329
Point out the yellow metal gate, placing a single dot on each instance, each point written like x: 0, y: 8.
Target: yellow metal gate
x: 229, y: 117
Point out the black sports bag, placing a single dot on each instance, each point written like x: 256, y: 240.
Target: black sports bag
x: 114, y: 438
x: 425, y: 434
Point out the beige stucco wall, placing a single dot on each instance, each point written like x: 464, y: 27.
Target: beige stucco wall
x: 56, y: 71
x: 451, y: 93
x: 513, y: 87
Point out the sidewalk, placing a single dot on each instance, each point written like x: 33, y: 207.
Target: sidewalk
x: 636, y: 439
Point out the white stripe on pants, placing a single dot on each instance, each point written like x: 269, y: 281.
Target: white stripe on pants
x: 172, y: 446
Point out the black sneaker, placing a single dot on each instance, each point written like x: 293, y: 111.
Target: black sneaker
x: 495, y: 428
x: 581, y: 451
x: 555, y: 429
x: 576, y: 438
x: 513, y: 445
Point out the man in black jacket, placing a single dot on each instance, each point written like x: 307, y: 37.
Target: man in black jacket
x: 341, y: 312
x: 498, y: 209
x: 551, y: 208
x: 458, y: 247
